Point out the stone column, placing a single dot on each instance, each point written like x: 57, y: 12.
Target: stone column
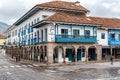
x: 111, y: 51
x: 99, y: 52
x: 64, y: 52
x: 50, y: 53
x: 86, y: 53
x: 24, y: 52
x: 43, y: 54
x: 76, y: 54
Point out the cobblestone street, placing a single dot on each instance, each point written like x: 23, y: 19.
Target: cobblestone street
x: 10, y: 70
x: 94, y: 71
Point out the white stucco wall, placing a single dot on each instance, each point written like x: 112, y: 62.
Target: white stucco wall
x: 101, y: 41
x: 50, y: 32
x: 32, y: 18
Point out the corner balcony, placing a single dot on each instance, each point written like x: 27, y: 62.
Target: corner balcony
x: 77, y: 39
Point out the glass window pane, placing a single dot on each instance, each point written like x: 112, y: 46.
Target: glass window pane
x: 103, y: 36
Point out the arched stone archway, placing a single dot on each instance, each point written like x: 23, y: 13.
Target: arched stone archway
x: 106, y: 53
x: 81, y: 54
x: 58, y: 55
x: 92, y: 55
x: 70, y: 54
x: 116, y: 52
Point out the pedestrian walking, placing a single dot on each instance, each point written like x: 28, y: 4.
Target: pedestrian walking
x: 19, y: 58
x: 111, y: 59
x: 16, y: 58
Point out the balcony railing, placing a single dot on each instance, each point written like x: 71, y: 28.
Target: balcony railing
x: 113, y: 42
x: 75, y: 38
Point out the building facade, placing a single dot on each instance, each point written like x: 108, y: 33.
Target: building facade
x: 59, y: 31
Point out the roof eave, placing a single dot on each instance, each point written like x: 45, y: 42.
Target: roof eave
x: 48, y: 22
x: 27, y: 15
x: 64, y: 9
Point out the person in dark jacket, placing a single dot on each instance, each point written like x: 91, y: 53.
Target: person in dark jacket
x: 111, y: 59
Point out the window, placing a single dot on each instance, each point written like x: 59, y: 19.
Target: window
x: 76, y: 33
x: 45, y: 34
x: 15, y: 32
x: 29, y: 36
x: 29, y: 25
x: 87, y: 33
x: 102, y: 35
x: 64, y: 33
x: 37, y: 19
x: 26, y: 37
x: 119, y: 37
x: 20, y: 30
x: 25, y: 27
x: 41, y: 35
x: 38, y: 36
x: 32, y: 29
x: 44, y: 16
x: 34, y: 21
x: 112, y: 36
x: 32, y: 35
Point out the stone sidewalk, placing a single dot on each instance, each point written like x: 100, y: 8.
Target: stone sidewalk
x: 89, y: 66
x: 69, y: 66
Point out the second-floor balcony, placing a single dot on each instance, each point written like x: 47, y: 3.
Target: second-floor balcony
x: 75, y: 38
x: 114, y: 42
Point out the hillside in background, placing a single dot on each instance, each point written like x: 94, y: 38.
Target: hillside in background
x: 3, y: 27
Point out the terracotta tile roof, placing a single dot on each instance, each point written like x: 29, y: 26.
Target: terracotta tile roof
x: 2, y: 37
x: 82, y: 19
x: 71, y: 18
x: 63, y: 5
x: 107, y: 22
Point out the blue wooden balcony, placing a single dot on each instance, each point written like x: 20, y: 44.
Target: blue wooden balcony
x: 113, y: 42
x: 77, y: 39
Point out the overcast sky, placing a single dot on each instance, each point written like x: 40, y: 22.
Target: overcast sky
x: 12, y: 10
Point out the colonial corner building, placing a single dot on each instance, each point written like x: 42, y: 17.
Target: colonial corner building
x: 59, y: 31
